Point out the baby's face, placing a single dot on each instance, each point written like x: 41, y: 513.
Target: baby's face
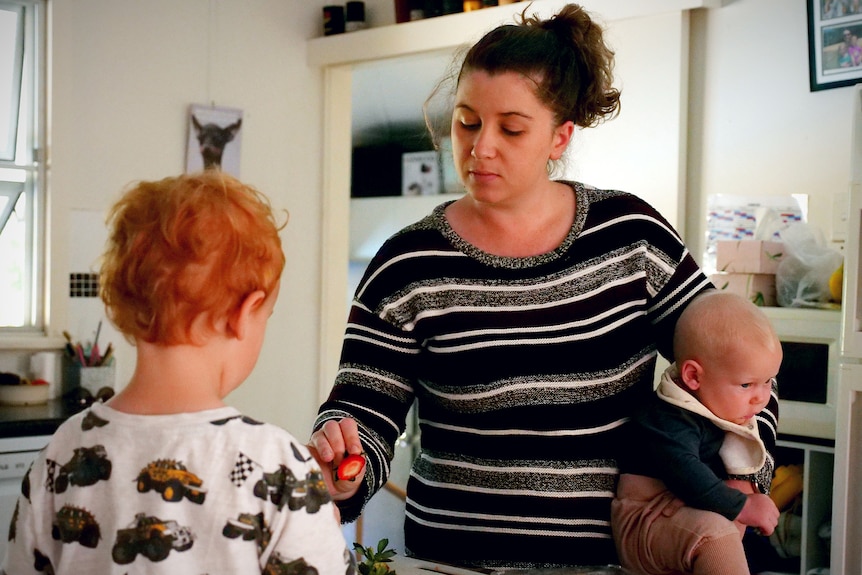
x: 739, y: 388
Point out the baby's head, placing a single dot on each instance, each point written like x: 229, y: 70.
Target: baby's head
x: 727, y: 354
x: 184, y: 252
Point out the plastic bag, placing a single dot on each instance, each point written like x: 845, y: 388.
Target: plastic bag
x: 802, y: 278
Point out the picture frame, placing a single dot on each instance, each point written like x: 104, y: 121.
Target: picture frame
x: 420, y: 173
x: 214, y: 139
x: 834, y: 43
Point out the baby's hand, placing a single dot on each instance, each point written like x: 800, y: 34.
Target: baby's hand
x: 759, y: 512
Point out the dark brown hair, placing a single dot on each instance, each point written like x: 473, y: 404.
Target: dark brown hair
x: 565, y: 55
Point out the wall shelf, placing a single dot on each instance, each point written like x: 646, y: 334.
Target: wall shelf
x: 446, y: 32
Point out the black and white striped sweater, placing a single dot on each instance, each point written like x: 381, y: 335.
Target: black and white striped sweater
x: 523, y: 369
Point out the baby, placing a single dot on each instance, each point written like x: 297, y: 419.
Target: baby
x: 695, y: 471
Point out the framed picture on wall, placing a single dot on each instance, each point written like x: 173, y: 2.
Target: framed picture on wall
x: 834, y: 46
x: 214, y: 139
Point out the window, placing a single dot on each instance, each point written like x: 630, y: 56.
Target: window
x: 22, y: 171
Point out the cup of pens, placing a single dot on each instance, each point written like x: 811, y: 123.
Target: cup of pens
x: 85, y: 366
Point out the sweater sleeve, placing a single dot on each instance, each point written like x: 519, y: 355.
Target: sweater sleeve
x: 374, y: 385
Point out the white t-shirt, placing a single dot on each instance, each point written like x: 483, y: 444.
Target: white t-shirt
x: 207, y: 492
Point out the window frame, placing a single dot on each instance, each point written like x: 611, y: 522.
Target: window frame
x: 30, y: 164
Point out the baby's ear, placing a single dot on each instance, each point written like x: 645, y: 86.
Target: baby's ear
x: 690, y: 372
x: 239, y: 320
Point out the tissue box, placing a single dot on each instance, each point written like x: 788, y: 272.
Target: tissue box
x: 748, y: 256
x: 757, y: 288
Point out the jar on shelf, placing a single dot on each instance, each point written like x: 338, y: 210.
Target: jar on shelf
x: 417, y: 9
x: 333, y: 20
x: 453, y: 6
x: 470, y: 5
x: 432, y: 8
x: 354, y: 16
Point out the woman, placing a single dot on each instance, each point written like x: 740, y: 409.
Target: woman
x: 523, y: 319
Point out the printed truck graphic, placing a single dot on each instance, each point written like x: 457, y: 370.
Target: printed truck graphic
x: 87, y: 466
x: 172, y: 480
x: 76, y: 524
x: 282, y: 486
x: 278, y: 566
x: 152, y: 538
x: 250, y: 528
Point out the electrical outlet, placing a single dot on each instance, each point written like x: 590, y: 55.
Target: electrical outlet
x: 840, y: 211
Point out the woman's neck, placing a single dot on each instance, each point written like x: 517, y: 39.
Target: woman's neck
x: 534, y: 226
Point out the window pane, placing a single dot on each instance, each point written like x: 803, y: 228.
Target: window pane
x: 11, y: 64
x: 15, y: 285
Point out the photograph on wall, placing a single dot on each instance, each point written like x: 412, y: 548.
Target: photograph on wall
x: 214, y: 139
x: 420, y: 173
x: 834, y: 47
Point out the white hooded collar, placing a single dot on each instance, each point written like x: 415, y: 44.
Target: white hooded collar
x: 742, y: 451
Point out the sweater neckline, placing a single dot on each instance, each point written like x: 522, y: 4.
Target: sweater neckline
x: 581, y: 208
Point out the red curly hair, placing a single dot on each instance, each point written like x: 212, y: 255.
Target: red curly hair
x: 184, y: 248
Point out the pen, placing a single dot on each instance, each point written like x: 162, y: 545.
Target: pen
x: 108, y: 354
x: 70, y: 349
x: 80, y: 354
x: 94, y: 352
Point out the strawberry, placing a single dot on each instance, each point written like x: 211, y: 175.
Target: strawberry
x: 350, y: 467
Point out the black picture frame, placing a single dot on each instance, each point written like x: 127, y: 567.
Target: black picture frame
x: 834, y: 43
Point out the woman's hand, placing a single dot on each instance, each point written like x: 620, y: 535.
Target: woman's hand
x: 330, y: 445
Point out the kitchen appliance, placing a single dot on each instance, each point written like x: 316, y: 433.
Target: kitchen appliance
x: 847, y: 499
x: 808, y: 378
x: 16, y: 455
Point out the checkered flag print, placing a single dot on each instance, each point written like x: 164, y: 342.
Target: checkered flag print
x: 242, y: 469
x: 52, y: 467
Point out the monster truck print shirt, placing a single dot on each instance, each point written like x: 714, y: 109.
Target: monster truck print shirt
x: 207, y: 492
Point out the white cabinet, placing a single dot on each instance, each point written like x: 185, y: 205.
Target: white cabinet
x: 847, y: 507
x: 16, y: 455
x: 817, y: 459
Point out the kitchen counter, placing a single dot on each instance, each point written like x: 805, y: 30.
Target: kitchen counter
x: 33, y: 420
x: 413, y: 566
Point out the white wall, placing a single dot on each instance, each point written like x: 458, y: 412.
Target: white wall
x: 124, y: 73
x: 755, y: 127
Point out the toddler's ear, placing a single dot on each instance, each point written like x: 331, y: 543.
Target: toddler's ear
x: 690, y: 373
x: 239, y: 320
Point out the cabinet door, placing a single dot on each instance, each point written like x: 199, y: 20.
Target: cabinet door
x: 847, y: 503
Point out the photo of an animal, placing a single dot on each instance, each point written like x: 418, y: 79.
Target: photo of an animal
x: 214, y: 139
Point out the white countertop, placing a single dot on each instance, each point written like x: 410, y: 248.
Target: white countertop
x: 411, y: 566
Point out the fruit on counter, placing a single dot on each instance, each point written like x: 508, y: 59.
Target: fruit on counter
x: 350, y: 467
x: 836, y: 284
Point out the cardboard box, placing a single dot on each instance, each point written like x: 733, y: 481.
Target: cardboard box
x: 748, y: 256
x: 757, y: 288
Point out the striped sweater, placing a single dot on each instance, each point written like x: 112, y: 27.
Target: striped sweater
x: 523, y: 370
